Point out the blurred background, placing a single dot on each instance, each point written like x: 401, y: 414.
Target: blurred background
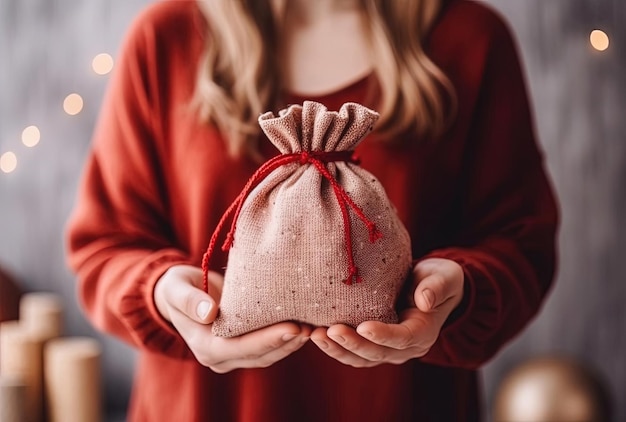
x: 51, y: 89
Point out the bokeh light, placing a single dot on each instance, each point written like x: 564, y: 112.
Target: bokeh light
x: 31, y: 136
x: 599, y: 40
x: 102, y: 63
x: 73, y: 104
x: 8, y: 162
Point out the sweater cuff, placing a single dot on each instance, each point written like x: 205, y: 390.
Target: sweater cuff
x: 142, y: 318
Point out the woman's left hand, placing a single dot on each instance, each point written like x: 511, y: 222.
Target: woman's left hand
x: 439, y: 290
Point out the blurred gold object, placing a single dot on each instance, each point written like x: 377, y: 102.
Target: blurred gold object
x: 551, y: 389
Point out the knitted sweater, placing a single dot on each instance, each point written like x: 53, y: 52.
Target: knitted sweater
x: 157, y: 182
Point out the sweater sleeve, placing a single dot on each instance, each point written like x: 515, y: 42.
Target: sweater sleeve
x: 119, y: 238
x: 508, y: 218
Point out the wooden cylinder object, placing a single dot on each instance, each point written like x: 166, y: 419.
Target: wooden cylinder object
x: 12, y: 399
x: 42, y: 314
x: 21, y: 358
x: 72, y: 379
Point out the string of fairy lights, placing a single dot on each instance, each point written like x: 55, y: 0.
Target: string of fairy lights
x: 102, y: 64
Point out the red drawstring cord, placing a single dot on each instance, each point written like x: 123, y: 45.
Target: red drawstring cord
x: 319, y: 160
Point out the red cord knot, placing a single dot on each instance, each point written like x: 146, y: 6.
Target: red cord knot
x: 375, y: 234
x: 353, y: 275
x: 230, y: 238
x: 304, y: 157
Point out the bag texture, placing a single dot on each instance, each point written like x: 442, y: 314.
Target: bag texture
x: 313, y: 236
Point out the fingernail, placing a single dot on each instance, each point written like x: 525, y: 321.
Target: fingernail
x: 366, y: 334
x: 288, y: 337
x: 338, y: 339
x: 429, y: 296
x: 203, y: 309
x: 322, y: 344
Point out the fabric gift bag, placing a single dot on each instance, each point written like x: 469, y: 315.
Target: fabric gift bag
x: 313, y: 236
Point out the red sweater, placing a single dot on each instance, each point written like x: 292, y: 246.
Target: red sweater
x: 157, y: 182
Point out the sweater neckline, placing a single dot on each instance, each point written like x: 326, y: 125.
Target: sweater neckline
x: 344, y: 91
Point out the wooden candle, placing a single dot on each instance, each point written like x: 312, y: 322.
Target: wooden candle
x: 21, y: 358
x: 72, y: 379
x: 12, y: 399
x: 42, y: 315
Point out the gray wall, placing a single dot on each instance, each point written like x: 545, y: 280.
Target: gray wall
x: 580, y: 106
x: 46, y: 47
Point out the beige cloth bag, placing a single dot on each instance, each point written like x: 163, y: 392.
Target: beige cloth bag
x: 314, y: 237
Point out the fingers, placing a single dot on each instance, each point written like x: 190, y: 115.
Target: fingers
x: 257, y: 343
x: 417, y: 330
x: 397, y: 336
x: 374, y: 342
x: 342, y: 347
x: 258, y: 349
x: 348, y: 347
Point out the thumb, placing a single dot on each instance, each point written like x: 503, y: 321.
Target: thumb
x: 183, y: 293
x: 205, y: 311
x: 431, y: 293
x: 439, y: 285
x: 196, y: 304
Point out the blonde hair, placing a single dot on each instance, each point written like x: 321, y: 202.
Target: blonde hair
x: 239, y: 74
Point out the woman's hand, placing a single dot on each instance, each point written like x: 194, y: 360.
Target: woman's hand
x: 439, y: 290
x: 179, y: 297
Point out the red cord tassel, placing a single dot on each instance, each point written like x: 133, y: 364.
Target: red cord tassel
x: 319, y: 159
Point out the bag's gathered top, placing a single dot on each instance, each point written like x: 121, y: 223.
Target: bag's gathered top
x: 313, y: 237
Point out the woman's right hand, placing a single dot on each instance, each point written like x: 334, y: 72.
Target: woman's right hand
x: 179, y: 297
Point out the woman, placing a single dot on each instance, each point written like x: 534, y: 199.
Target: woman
x: 455, y: 149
